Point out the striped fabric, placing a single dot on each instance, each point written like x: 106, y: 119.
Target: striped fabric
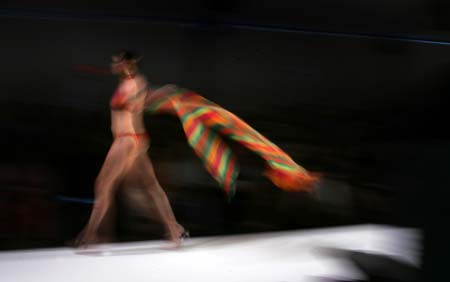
x: 206, y: 125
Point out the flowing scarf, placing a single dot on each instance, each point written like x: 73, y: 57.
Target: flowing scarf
x: 206, y: 124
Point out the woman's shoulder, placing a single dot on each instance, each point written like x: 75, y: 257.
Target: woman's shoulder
x: 131, y: 85
x: 126, y: 85
x: 141, y: 81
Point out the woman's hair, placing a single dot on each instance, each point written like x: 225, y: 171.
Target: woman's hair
x: 128, y: 55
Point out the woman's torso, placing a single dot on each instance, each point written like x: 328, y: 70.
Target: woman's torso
x: 125, y: 120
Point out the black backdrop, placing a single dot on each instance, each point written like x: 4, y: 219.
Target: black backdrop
x: 357, y: 91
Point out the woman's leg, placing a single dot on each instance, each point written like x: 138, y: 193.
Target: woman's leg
x: 117, y: 162
x: 159, y: 197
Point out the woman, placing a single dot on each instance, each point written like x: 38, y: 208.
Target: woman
x: 128, y: 152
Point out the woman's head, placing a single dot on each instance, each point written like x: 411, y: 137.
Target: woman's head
x: 125, y: 63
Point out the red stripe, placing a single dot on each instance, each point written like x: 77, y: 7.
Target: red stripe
x: 226, y: 131
x: 188, y: 95
x: 228, y: 174
x: 203, y: 139
x: 208, y: 115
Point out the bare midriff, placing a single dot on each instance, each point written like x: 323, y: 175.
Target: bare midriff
x: 124, y: 120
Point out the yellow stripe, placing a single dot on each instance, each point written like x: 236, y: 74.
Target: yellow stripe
x: 214, y: 148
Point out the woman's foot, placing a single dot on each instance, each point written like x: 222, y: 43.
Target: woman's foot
x: 86, y: 238
x: 177, y: 235
x: 83, y: 240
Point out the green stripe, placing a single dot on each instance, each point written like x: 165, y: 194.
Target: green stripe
x: 282, y: 166
x: 195, y: 113
x: 217, y: 126
x: 197, y: 134
x: 224, y: 161
x: 254, y: 139
x: 281, y: 156
x: 232, y: 190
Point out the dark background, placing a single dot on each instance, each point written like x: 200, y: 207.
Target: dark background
x: 357, y: 90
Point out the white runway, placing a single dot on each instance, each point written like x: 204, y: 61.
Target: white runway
x: 276, y: 257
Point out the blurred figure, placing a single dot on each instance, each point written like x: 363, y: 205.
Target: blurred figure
x: 127, y: 156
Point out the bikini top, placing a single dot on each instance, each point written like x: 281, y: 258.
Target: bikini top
x: 118, y: 102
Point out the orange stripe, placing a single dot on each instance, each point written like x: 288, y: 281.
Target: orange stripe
x: 216, y: 146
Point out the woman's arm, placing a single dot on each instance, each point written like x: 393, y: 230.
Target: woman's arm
x: 155, y: 94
